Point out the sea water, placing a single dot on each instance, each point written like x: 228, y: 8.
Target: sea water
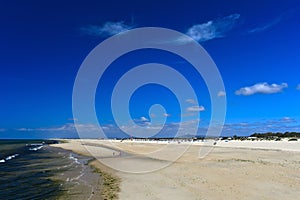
x: 31, y: 169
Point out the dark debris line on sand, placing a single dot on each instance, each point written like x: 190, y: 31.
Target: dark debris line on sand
x: 110, y: 183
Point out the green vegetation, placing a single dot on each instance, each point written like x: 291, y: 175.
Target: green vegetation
x: 279, y: 135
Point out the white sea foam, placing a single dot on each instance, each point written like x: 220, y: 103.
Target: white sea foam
x: 8, y: 158
x: 36, y: 148
x: 75, y: 159
x: 11, y: 157
x: 36, y: 144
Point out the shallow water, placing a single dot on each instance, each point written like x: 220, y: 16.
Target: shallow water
x: 30, y: 169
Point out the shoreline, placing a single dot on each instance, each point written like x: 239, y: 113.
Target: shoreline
x: 35, y: 170
x: 79, y: 181
x: 108, y: 188
x: 111, y: 183
x: 232, y: 170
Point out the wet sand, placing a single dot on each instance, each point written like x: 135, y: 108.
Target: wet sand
x: 232, y: 170
x: 78, y: 179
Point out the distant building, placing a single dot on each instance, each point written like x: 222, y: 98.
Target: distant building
x: 252, y: 138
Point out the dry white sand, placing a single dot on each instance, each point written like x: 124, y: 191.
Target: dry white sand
x: 232, y: 170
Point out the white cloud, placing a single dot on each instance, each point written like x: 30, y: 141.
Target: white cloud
x: 221, y: 94
x: 107, y: 29
x: 25, y: 129
x: 2, y: 129
x: 186, y: 127
x: 261, y: 88
x: 65, y: 127
x: 144, y: 119
x: 195, y: 109
x: 213, y: 29
x: 189, y: 114
x: 191, y: 101
x: 285, y: 124
x: 288, y: 119
x: 167, y: 115
x: 73, y: 119
x: 262, y: 28
x: 298, y: 87
x: 266, y: 26
x: 69, y: 127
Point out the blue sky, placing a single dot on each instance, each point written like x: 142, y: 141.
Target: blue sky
x: 255, y: 45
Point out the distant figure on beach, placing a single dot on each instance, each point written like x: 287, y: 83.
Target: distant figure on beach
x: 118, y: 153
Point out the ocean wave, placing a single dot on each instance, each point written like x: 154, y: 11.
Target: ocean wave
x: 8, y: 158
x: 36, y: 144
x: 73, y: 158
x: 11, y: 157
x: 35, y: 148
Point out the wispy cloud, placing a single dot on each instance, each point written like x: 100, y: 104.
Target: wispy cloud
x: 73, y: 119
x: 2, y: 129
x: 265, y: 26
x: 271, y: 23
x: 70, y: 127
x: 221, y: 94
x: 213, y: 29
x: 298, y: 87
x: 191, y: 101
x: 238, y: 128
x: 107, y: 29
x: 288, y: 120
x: 68, y: 130
x: 167, y: 115
x: 144, y: 119
x: 25, y: 129
x: 189, y: 114
x: 261, y: 88
x: 285, y: 124
x: 195, y: 109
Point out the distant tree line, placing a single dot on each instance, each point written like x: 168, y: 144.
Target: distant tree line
x: 280, y: 135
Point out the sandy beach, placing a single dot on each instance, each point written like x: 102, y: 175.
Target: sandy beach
x: 231, y: 170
